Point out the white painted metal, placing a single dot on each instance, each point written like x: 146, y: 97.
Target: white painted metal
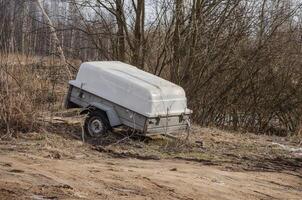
x: 96, y: 126
x: 131, y: 88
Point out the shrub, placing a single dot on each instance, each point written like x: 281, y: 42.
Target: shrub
x: 26, y: 92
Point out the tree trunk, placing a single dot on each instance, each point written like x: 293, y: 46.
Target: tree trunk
x: 137, y: 58
x: 54, y: 38
x: 120, y: 30
x: 12, y: 28
x: 178, y: 15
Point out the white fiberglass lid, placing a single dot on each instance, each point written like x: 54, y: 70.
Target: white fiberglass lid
x: 131, y: 87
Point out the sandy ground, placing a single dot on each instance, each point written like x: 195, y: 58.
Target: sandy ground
x: 55, y: 167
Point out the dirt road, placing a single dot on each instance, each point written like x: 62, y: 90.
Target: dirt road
x: 47, y: 168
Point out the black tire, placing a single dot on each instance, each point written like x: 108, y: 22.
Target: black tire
x: 96, y: 124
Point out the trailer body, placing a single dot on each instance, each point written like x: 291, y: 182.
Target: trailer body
x: 130, y: 97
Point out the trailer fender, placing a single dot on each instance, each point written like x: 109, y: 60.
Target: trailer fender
x: 113, y: 117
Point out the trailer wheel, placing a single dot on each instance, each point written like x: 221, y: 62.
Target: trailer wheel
x: 96, y: 124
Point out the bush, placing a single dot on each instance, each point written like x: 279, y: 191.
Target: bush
x: 25, y: 92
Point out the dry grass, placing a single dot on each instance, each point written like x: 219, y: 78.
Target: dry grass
x: 29, y: 87
x: 211, y: 146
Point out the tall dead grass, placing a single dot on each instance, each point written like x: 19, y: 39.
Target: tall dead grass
x: 27, y: 90
x: 300, y: 134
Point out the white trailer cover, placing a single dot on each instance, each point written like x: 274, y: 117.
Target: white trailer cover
x: 131, y: 88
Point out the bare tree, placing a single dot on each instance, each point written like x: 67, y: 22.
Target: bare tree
x: 54, y: 37
x: 238, y: 60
